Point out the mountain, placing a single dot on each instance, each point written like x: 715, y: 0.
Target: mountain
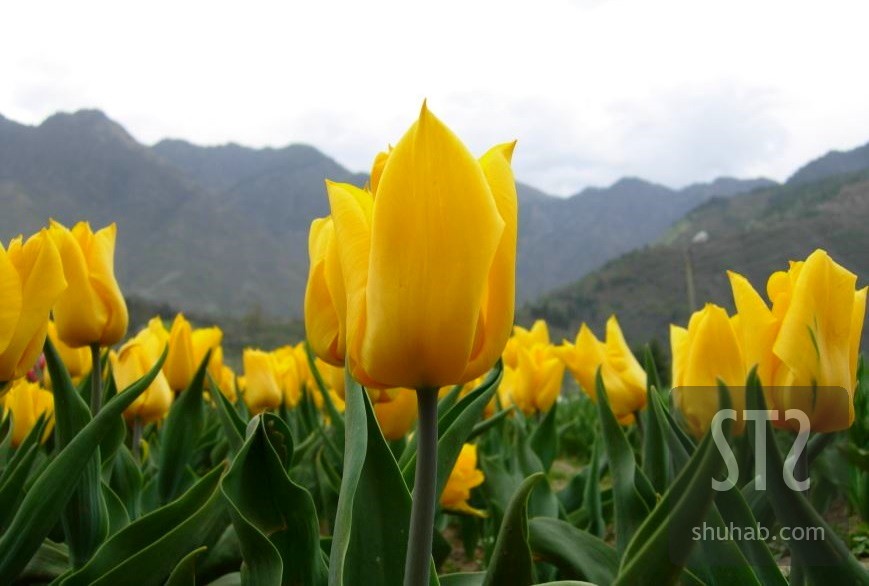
x: 754, y: 234
x: 833, y: 163
x: 222, y: 230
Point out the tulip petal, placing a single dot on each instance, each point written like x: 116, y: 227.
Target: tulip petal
x: 39, y: 267
x: 496, y: 316
x: 435, y: 230
x: 101, y: 263
x: 325, y: 297
x: 78, y: 313
x: 10, y: 293
x: 857, y: 317
x: 756, y: 328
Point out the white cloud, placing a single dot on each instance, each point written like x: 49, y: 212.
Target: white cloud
x: 675, y: 91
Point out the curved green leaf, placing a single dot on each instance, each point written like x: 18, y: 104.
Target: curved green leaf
x: 150, y: 547
x: 50, y: 492
x: 511, y: 562
x: 184, y: 573
x: 275, y: 518
x: 544, y: 438
x: 577, y: 553
x: 180, y: 433
x: 85, y: 518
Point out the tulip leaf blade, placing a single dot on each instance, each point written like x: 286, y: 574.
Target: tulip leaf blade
x: 373, y: 516
x: 275, y: 518
x: 826, y: 560
x: 544, y: 438
x: 654, y: 456
x: 511, y: 561
x: 659, y: 549
x: 181, y: 430
x: 633, y: 495
x: 184, y: 573
x: 151, y: 546
x: 51, y: 490
x: 577, y: 553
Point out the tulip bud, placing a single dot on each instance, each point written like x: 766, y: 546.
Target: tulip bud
x: 31, y: 280
x: 92, y: 310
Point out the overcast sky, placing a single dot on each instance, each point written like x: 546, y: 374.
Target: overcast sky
x: 672, y: 91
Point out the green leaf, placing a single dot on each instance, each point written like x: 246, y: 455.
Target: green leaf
x: 490, y: 422
x: 660, y: 547
x: 334, y: 415
x: 126, y: 480
x: 116, y: 512
x: 85, y: 518
x: 12, y: 483
x: 50, y: 561
x: 184, y: 573
x: 151, y: 547
x: 633, y: 495
x: 576, y: 553
x: 369, y: 542
x: 655, y: 464
x: 275, y: 519
x: 50, y: 492
x: 591, y: 500
x: 180, y: 433
x: 511, y: 562
x: 544, y: 439
x: 230, y: 420
x: 827, y: 560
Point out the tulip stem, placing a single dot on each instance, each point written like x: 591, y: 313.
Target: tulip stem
x: 418, y: 563
x: 96, y: 380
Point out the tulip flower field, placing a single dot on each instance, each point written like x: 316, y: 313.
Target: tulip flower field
x: 417, y: 436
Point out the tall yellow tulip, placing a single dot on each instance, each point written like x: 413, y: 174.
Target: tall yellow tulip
x: 92, y: 309
x: 27, y: 401
x: 522, y: 337
x: 821, y: 315
x: 623, y: 377
x: 707, y: 352
x: 413, y: 319
x: 31, y: 280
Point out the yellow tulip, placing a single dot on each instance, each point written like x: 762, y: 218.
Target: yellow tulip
x: 413, y: 319
x: 92, y: 310
x: 538, y: 334
x: 377, y: 169
x: 287, y: 373
x: 817, y: 344
x: 397, y: 416
x: 707, y: 352
x: 135, y: 358
x: 27, y: 402
x: 78, y: 361
x: 187, y: 350
x: 31, y: 279
x: 623, y: 377
x: 226, y: 383
x: 535, y: 383
x: 179, y: 367
x: 462, y: 479
x: 262, y: 390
